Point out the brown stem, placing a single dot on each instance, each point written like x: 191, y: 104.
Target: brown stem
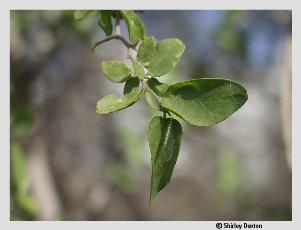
x: 116, y: 37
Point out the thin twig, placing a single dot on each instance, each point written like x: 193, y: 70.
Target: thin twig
x: 116, y: 37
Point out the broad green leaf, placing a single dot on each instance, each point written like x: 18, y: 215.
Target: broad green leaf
x: 112, y: 103
x: 165, y: 57
x: 116, y: 71
x: 138, y: 69
x: 18, y: 168
x: 152, y: 101
x: 158, y: 87
x: 205, y: 101
x: 105, y: 21
x: 135, y: 25
x: 164, y: 138
x: 81, y: 14
x: 146, y: 49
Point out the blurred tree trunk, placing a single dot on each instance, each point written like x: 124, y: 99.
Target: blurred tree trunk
x: 286, y: 100
x: 42, y: 184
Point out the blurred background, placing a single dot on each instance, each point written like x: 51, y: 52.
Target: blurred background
x: 69, y: 163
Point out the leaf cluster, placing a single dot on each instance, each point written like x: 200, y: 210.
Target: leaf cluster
x: 200, y: 102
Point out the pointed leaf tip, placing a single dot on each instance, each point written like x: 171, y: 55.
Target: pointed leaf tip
x: 164, y: 138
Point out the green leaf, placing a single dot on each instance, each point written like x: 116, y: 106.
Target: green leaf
x: 135, y: 25
x: 138, y: 69
x: 164, y: 138
x: 152, y: 101
x: 158, y: 87
x: 81, y: 14
x: 18, y: 168
x: 165, y: 57
x: 112, y: 103
x: 146, y: 49
x: 205, y: 101
x: 105, y: 21
x: 116, y: 71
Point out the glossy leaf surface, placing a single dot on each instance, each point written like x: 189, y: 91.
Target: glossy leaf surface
x: 205, y: 101
x: 164, y: 138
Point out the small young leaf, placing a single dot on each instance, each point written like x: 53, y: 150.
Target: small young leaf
x: 138, y: 69
x: 112, y: 103
x: 205, y: 101
x: 116, y: 71
x: 81, y: 14
x: 158, y: 87
x: 105, y: 21
x: 146, y: 49
x: 135, y: 25
x: 152, y: 101
x: 165, y: 57
x: 164, y: 138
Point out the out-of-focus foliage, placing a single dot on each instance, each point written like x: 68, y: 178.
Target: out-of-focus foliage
x: 118, y: 175
x: 19, y: 170
x: 232, y: 37
x: 23, y: 206
x: 229, y: 174
x: 21, y: 120
x: 81, y: 14
x: 132, y: 140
